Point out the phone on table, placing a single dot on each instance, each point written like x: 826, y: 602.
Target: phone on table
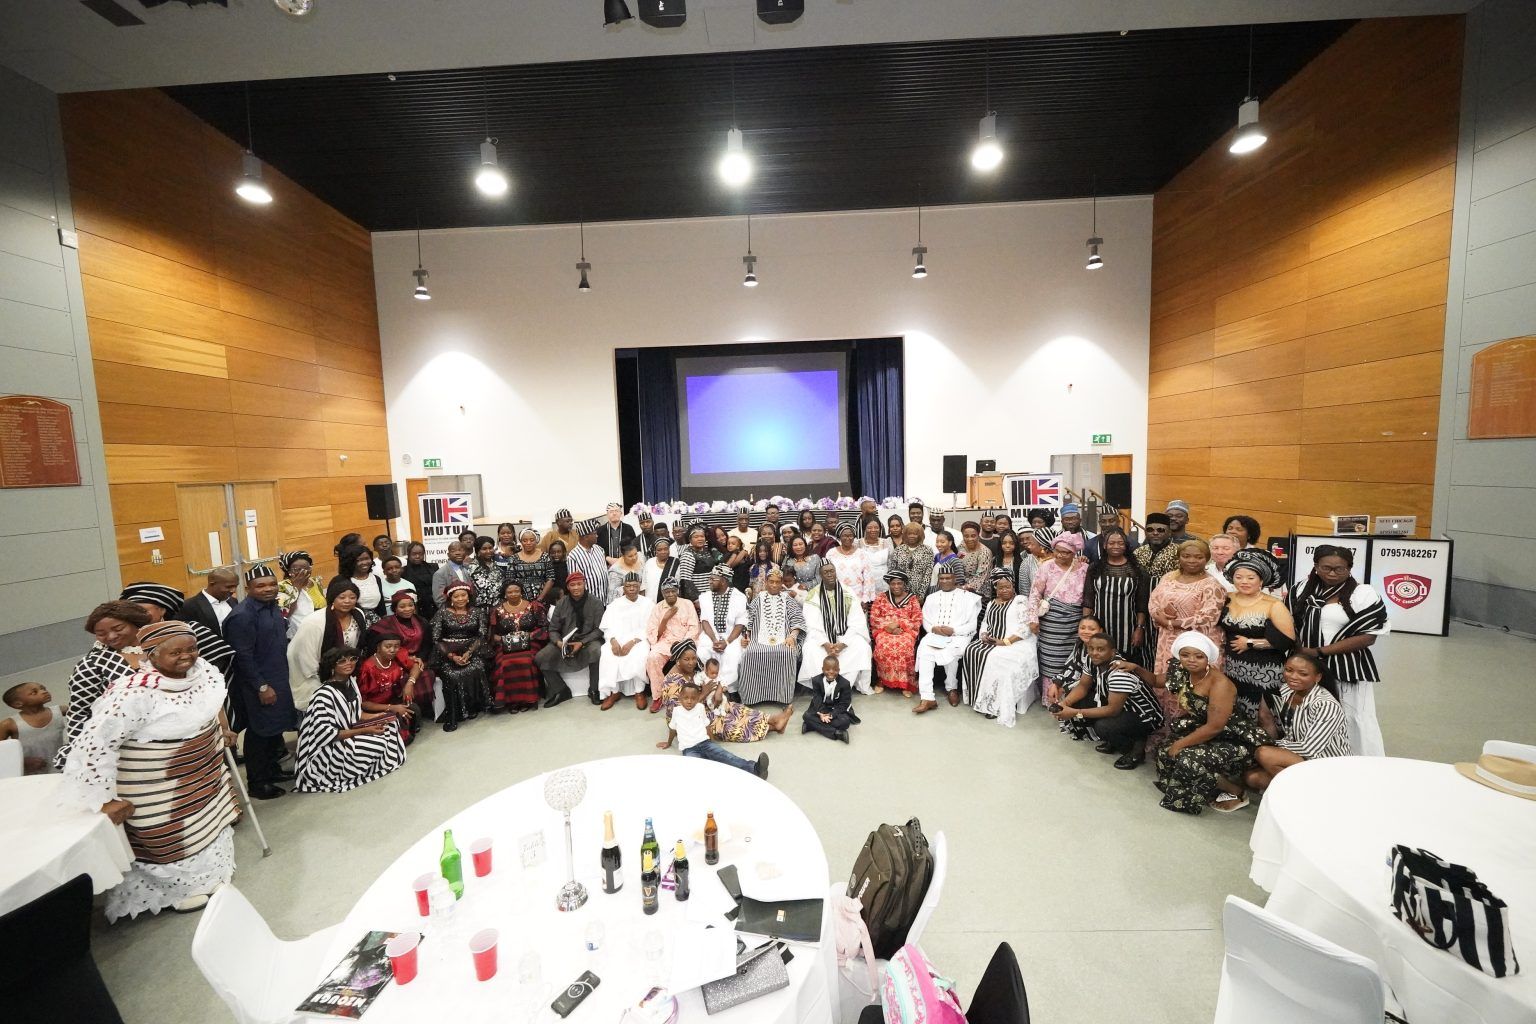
x: 574, y: 993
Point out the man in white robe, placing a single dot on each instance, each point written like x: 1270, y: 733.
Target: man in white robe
x: 949, y: 616
x: 849, y: 645
x: 621, y: 666
x: 722, y: 620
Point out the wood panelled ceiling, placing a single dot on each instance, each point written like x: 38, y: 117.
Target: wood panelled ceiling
x: 833, y: 128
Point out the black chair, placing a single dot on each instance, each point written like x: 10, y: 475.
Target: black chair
x: 872, y: 1014
x: 1000, y: 996
x: 47, y: 974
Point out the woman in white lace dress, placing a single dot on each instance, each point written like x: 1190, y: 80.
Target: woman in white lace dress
x: 152, y: 758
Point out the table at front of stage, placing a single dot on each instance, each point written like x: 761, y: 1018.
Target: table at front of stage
x: 45, y: 844
x: 1321, y: 844
x: 764, y: 828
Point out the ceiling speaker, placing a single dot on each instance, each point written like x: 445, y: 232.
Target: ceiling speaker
x: 779, y: 12
x: 663, y: 13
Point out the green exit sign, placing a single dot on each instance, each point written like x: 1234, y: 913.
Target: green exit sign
x: 438, y: 463
x: 1097, y: 439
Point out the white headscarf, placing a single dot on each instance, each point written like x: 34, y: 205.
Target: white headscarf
x: 1200, y: 642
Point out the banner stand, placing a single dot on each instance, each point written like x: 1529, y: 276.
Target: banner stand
x: 1412, y: 575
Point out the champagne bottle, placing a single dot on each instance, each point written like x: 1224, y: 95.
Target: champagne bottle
x: 612, y: 859
x: 650, y: 883
x: 680, y: 870
x: 711, y: 840
x: 451, y: 865
x: 649, y: 844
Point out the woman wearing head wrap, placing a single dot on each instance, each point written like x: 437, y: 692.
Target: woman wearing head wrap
x: 517, y: 631
x: 458, y: 635
x: 977, y: 559
x: 1256, y: 627
x: 1211, y: 738
x: 299, y: 595
x: 835, y: 625
x: 152, y: 759
x: 673, y: 620
x: 854, y: 570
x: 1054, y: 608
x: 1116, y: 593
x: 340, y: 624
x: 695, y: 562
x: 913, y: 557
x: 345, y: 740
x: 415, y: 631
x: 775, y: 628
x: 729, y: 721
x: 998, y: 670
x: 895, y: 619
x: 627, y: 563
x: 1338, y: 619
x: 420, y: 572
x: 388, y: 676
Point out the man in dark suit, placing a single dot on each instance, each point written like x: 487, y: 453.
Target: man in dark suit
x: 615, y: 531
x: 259, y: 634
x: 831, y: 710
x: 212, y: 605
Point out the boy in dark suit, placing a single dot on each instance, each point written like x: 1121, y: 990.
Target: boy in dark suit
x: 831, y: 710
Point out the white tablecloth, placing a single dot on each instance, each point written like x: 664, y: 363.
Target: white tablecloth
x: 768, y: 836
x: 1320, y: 846
x: 42, y: 845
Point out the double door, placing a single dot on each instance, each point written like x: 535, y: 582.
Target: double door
x: 227, y: 526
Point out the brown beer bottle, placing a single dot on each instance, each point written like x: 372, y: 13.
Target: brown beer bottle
x: 711, y: 839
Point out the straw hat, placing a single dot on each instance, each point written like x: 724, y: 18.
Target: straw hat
x: 1510, y: 775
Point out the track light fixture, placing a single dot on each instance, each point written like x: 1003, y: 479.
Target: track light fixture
x: 583, y: 266
x: 750, y: 281
x: 1250, y: 134
x: 919, y: 268
x: 250, y: 187
x: 615, y: 11
x: 490, y: 179
x: 420, y: 273
x: 988, y: 153
x: 1095, y: 261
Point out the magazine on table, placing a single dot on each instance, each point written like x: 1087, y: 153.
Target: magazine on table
x: 355, y: 982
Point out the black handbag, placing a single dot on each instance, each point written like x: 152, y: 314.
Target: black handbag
x: 1451, y: 909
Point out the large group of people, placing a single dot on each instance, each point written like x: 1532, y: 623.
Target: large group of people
x: 1190, y: 652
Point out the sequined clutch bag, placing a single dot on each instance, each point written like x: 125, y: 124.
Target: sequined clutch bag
x: 758, y: 972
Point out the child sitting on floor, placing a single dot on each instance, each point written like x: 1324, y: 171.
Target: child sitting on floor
x: 688, y: 724
x: 39, y: 725
x: 831, y: 710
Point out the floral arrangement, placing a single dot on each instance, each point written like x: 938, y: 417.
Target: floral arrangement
x: 639, y: 507
x: 741, y: 505
x: 718, y: 506
x: 698, y: 507
x: 894, y: 503
x: 679, y: 508
x: 760, y: 505
x: 845, y: 504
x: 863, y: 499
x: 826, y: 504
x: 802, y: 505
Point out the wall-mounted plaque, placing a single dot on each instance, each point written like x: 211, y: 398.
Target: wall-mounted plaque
x: 37, y: 443
x: 1504, y: 390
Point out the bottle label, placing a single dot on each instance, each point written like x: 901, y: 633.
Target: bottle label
x: 615, y: 879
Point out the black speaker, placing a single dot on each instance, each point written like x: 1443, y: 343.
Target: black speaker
x: 779, y: 12
x: 663, y: 13
x: 1117, y: 489
x: 954, y: 474
x: 383, y: 501
x: 986, y: 466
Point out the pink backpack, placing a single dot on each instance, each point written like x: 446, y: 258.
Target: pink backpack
x: 912, y: 992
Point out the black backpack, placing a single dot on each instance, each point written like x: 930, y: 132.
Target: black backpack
x: 890, y: 878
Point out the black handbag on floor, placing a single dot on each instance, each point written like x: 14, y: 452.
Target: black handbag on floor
x: 1450, y: 909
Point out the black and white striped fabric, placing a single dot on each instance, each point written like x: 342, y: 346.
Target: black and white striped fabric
x: 1450, y: 909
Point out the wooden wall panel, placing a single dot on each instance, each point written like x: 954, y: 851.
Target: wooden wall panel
x: 1295, y: 364
x: 230, y: 342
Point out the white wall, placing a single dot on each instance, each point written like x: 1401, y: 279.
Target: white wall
x: 1013, y: 351
x: 1485, y: 490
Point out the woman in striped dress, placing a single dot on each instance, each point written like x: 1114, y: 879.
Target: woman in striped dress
x: 1304, y: 718
x: 997, y: 670
x: 775, y: 627
x: 1116, y: 594
x: 112, y: 656
x: 1055, y: 606
x: 151, y: 758
x: 341, y: 746
x: 1338, y: 619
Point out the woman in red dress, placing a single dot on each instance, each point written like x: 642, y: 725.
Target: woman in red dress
x: 895, y: 619
x: 415, y: 640
x: 387, y: 676
x: 519, y: 629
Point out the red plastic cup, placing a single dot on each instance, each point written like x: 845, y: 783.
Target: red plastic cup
x: 422, y: 887
x: 480, y: 853
x: 401, y: 951
x: 482, y: 947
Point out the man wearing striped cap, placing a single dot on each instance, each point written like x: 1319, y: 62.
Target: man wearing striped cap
x: 258, y: 632
x: 561, y: 532
x: 615, y: 531
x: 161, y: 602
x: 588, y: 559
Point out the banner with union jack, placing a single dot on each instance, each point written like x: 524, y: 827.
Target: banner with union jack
x: 442, y: 517
x: 1033, y: 491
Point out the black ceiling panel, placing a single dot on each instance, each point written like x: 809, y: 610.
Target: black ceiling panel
x: 836, y: 128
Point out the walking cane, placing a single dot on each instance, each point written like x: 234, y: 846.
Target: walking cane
x: 245, y: 798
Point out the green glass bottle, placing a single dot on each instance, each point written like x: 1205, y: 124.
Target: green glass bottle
x: 649, y: 843
x: 452, y: 865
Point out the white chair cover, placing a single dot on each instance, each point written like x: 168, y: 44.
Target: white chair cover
x: 259, y: 976
x: 11, y: 761
x: 1275, y: 972
x: 852, y: 997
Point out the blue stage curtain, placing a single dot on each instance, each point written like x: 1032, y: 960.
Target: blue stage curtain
x: 879, y: 458
x: 661, y: 452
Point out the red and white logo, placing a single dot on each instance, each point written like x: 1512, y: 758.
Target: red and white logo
x: 1406, y: 590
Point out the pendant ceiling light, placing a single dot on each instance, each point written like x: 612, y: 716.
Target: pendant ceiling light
x: 490, y: 179
x: 987, y: 154
x: 583, y: 266
x: 750, y: 281
x: 735, y: 165
x: 420, y: 273
x: 1250, y: 134
x: 250, y: 187
x: 1095, y: 261
x: 919, y: 268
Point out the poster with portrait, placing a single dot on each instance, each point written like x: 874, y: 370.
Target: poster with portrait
x: 1414, y: 577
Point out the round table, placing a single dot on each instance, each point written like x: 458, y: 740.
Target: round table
x: 1321, y: 844
x: 777, y: 853
x: 47, y: 844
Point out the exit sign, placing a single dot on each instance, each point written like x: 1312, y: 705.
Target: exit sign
x: 1097, y: 439
x: 438, y: 463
